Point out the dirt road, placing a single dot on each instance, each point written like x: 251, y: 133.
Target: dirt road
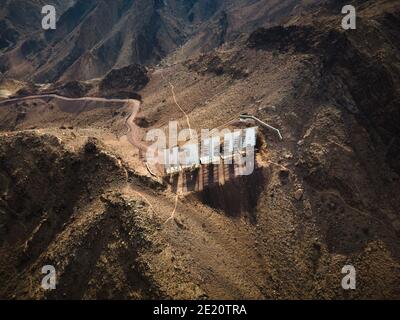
x: 133, y: 105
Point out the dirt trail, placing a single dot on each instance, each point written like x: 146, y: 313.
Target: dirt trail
x: 133, y: 128
x: 133, y: 105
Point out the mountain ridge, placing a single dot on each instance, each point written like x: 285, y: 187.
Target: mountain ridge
x: 126, y: 32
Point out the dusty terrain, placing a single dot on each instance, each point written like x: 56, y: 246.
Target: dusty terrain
x: 75, y: 191
x: 95, y: 36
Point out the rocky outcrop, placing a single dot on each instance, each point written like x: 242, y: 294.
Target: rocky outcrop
x: 130, y: 78
x: 74, y: 89
x: 325, y: 43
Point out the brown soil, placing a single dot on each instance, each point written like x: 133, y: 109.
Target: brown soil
x: 75, y: 193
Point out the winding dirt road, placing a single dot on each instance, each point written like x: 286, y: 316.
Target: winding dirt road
x: 134, y: 105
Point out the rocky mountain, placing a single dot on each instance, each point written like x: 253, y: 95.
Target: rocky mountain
x: 94, y: 36
x: 76, y: 192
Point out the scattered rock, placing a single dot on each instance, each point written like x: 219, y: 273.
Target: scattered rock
x: 299, y: 194
x: 288, y: 155
x: 284, y: 176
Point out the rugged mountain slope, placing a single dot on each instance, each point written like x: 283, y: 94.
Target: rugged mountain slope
x: 93, y: 36
x: 324, y: 197
x: 21, y: 19
x: 331, y: 194
x: 59, y: 186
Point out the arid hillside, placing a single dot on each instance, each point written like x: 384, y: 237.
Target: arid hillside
x: 76, y: 191
x: 94, y: 36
